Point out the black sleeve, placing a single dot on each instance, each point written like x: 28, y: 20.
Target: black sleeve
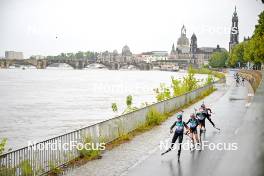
x: 173, y: 125
x: 188, y: 121
x: 185, y: 125
x: 210, y: 120
x: 208, y: 109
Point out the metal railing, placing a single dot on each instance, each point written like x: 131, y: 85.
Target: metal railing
x: 44, y: 156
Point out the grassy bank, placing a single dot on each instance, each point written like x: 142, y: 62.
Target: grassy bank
x: 206, y: 71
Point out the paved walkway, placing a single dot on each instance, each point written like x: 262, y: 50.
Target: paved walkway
x: 141, y: 156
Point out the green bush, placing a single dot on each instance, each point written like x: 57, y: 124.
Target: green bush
x: 4, y: 171
x: 26, y: 168
x: 162, y: 93
x: 54, y: 169
x: 114, y: 107
x: 209, y: 80
x: 129, y: 100
x: 89, y: 153
x: 154, y: 117
x: 129, y: 103
x: 206, y: 71
x: 2, y: 145
x: 188, y: 84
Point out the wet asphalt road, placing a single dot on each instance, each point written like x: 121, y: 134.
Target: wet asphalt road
x: 239, y: 124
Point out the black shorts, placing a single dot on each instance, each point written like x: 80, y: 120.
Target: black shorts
x: 193, y: 130
x: 201, y: 122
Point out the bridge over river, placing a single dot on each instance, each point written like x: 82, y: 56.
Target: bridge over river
x: 74, y: 63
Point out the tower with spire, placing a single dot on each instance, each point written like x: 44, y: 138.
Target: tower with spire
x: 193, y: 45
x: 234, y: 33
x: 193, y: 48
x: 173, y: 51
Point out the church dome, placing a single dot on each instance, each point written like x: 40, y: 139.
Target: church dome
x: 115, y: 52
x: 183, y: 40
x: 126, y: 51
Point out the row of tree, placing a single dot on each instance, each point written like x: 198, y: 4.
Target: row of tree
x: 79, y: 55
x: 251, y: 50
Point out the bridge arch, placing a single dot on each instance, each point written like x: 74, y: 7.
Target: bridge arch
x: 55, y: 64
x: 7, y: 63
x: 76, y: 64
x: 96, y: 66
x: 130, y: 67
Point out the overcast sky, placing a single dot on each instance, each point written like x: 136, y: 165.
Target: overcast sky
x: 31, y: 26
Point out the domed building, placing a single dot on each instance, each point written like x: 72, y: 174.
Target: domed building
x: 126, y: 51
x: 187, y: 53
x: 183, y: 42
x: 182, y: 52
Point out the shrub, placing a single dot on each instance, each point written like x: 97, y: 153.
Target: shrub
x: 26, y: 168
x: 114, y: 107
x: 129, y: 100
x: 154, y: 117
x: 89, y: 153
x: 54, y: 169
x: 162, y: 93
x: 209, y: 80
x: 206, y: 71
x: 2, y: 145
x: 129, y: 103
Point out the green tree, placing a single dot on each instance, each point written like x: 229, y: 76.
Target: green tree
x: 114, y: 107
x: 177, y: 87
x: 259, y: 28
x: 218, y: 59
x: 163, y: 92
x: 129, y: 108
x: 2, y: 145
x: 254, y: 51
x: 63, y: 55
x: 237, y: 57
x: 70, y: 55
x: 89, y: 55
x: 129, y: 100
x: 190, y: 82
x: 79, y: 55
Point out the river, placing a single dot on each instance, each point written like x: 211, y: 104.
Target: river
x: 39, y: 104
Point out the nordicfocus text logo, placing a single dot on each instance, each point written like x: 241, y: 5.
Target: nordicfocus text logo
x: 205, y: 145
x: 66, y: 146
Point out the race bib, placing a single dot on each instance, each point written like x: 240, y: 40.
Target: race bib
x: 201, y: 116
x: 193, y: 124
x: 179, y: 128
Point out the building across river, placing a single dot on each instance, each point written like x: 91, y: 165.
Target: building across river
x: 187, y: 53
x: 13, y: 55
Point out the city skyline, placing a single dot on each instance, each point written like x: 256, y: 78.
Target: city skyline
x: 49, y: 28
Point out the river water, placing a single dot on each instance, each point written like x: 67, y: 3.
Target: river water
x: 39, y: 104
